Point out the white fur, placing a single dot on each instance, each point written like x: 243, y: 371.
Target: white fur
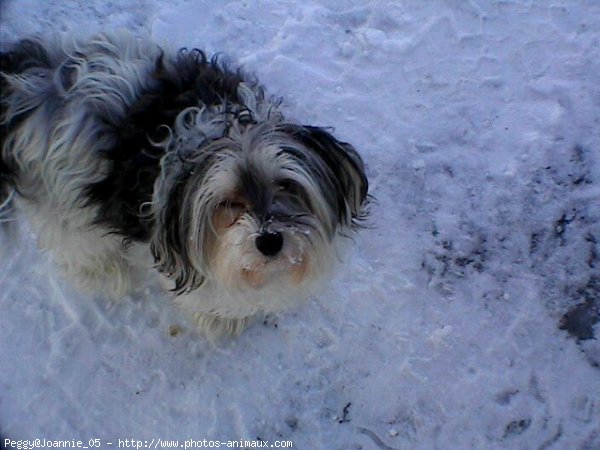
x: 55, y: 151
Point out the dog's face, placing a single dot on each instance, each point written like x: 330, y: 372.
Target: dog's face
x: 259, y: 207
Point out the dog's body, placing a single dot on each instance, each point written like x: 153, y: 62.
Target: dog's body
x: 112, y: 144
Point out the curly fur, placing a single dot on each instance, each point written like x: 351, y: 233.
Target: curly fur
x: 113, y: 143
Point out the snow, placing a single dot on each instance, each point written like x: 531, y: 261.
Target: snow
x: 479, y: 122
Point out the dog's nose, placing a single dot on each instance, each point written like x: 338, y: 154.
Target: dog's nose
x: 269, y: 244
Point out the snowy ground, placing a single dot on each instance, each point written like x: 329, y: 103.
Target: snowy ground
x: 480, y: 125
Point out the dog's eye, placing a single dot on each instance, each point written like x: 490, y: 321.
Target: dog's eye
x: 289, y: 186
x: 232, y: 205
x: 228, y: 213
x: 292, y: 189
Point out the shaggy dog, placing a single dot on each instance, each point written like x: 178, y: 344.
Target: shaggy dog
x: 112, y: 144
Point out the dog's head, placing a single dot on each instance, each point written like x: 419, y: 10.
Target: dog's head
x: 258, y: 206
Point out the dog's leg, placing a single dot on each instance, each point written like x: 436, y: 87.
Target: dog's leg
x: 92, y: 257
x: 96, y: 263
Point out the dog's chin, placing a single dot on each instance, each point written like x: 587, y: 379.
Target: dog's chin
x: 235, y: 292
x: 241, y: 282
x: 293, y: 272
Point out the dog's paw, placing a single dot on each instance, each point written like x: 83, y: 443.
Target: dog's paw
x: 214, y: 326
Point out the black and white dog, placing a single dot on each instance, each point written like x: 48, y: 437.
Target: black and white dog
x: 112, y: 143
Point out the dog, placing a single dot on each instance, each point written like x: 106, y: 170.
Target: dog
x: 112, y: 143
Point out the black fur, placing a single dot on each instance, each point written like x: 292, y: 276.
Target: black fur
x: 343, y: 165
x: 191, y: 80
x: 178, y: 152
x: 188, y: 79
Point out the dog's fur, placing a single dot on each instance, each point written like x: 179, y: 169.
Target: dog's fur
x: 113, y: 143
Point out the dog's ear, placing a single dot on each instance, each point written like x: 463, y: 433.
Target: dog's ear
x: 170, y: 242
x: 345, y: 170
